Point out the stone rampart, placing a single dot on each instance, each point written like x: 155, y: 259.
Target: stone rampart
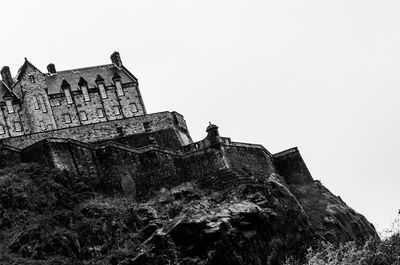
x: 290, y: 164
x: 119, y: 168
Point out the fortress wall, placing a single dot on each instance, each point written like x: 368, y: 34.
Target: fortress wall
x: 253, y: 160
x: 114, y: 168
x: 100, y: 131
x: 203, y: 162
x: 83, y: 158
x: 291, y: 166
x: 149, y: 171
x: 39, y: 153
x: 110, y: 169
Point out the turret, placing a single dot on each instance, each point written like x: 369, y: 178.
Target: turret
x: 213, y: 134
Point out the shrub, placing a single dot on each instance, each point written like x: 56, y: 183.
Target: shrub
x: 372, y: 252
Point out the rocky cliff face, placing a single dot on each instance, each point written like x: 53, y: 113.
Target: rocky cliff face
x: 230, y: 217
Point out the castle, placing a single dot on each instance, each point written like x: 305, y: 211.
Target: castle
x: 92, y: 122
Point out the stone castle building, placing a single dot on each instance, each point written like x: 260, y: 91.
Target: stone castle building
x: 35, y: 102
x: 92, y: 122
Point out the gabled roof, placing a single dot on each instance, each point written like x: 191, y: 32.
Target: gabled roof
x: 90, y: 74
x: 82, y: 82
x: 115, y: 76
x: 22, y: 70
x: 65, y: 84
x: 99, y: 79
x: 7, y: 94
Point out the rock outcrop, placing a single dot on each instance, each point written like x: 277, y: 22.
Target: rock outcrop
x: 229, y: 217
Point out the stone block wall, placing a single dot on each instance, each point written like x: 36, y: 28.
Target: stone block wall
x: 291, y: 166
x: 119, y: 168
x: 110, y: 168
x: 110, y: 130
x: 254, y: 160
x: 113, y: 107
x: 204, y: 162
x: 11, y: 122
x: 35, y: 113
x: 150, y: 170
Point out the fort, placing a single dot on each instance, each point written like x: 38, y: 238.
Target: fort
x: 92, y: 122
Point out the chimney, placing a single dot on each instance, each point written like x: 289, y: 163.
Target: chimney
x: 116, y: 59
x: 51, y: 68
x: 6, y: 76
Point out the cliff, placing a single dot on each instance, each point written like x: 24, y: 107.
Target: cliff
x: 50, y: 216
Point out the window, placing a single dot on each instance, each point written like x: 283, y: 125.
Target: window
x: 120, y: 91
x: 83, y: 116
x: 100, y: 113
x: 17, y: 126
x: 67, y: 118
x: 85, y: 93
x: 42, y: 103
x: 68, y: 96
x: 133, y: 107
x: 2, y: 131
x: 117, y: 110
x: 55, y: 102
x: 102, y: 89
x: 146, y: 125
x: 10, y: 106
x: 35, y: 103
x: 31, y: 78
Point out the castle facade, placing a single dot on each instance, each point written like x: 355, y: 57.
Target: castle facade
x: 35, y: 102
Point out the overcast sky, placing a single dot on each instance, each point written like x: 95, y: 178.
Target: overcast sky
x: 320, y: 75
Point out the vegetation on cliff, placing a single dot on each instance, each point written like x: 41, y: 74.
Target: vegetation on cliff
x: 372, y: 252
x: 50, y: 217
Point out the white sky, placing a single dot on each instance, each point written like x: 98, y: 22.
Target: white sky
x: 320, y: 75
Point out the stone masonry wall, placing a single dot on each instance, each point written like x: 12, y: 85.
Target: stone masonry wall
x: 112, y: 107
x: 102, y: 131
x: 255, y: 161
x: 291, y: 166
x: 114, y: 168
x: 36, y: 113
x: 11, y: 122
x: 119, y: 168
x: 110, y: 169
x: 200, y: 163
